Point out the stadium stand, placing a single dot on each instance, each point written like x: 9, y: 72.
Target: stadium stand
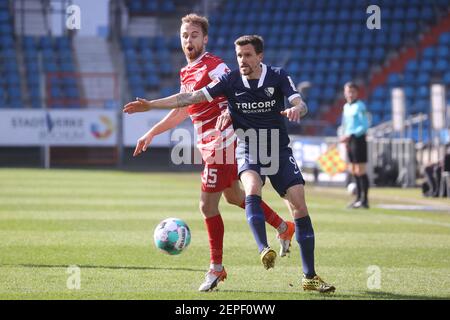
x: 324, y: 42
x: 54, y: 57
x: 10, y: 81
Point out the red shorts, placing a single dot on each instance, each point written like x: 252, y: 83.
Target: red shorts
x: 218, y: 177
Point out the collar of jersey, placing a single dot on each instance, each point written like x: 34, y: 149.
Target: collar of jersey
x: 193, y: 63
x: 261, y: 79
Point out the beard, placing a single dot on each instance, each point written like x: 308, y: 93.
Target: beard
x: 192, y: 54
x: 248, y: 70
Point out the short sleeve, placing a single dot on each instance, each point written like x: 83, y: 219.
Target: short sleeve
x: 288, y: 87
x: 216, y: 88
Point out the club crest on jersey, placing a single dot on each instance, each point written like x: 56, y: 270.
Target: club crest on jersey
x: 269, y: 91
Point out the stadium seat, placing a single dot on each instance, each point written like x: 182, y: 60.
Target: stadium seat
x: 442, y: 65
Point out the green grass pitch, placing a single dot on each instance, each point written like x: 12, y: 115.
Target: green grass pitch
x: 103, y: 222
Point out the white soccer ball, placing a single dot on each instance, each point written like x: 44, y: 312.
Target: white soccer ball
x: 172, y: 236
x: 351, y: 188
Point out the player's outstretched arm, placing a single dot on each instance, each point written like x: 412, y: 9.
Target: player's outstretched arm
x: 139, y: 105
x: 178, y: 100
x: 298, y: 110
x: 171, y: 120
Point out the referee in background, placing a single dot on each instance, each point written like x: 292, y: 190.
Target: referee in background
x: 355, y: 124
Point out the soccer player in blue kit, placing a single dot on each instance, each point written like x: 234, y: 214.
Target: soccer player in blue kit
x: 255, y: 96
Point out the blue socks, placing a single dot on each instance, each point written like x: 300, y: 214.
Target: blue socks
x: 304, y: 234
x: 256, y: 221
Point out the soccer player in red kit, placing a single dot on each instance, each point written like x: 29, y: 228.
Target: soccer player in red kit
x: 217, y: 147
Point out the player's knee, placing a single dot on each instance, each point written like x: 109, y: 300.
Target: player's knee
x: 233, y: 199
x: 252, y: 189
x: 300, y: 211
x: 207, y: 209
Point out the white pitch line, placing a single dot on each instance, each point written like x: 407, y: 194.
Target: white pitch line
x: 418, y: 220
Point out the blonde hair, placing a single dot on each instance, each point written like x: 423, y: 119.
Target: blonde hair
x: 198, y: 20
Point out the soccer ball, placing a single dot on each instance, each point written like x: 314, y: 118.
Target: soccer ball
x: 172, y: 236
x: 351, y: 188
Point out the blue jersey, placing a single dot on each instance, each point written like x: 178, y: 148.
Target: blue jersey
x: 354, y: 118
x: 256, y: 104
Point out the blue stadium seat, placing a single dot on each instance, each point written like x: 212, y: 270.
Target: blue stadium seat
x: 443, y: 51
x: 409, y: 77
x: 394, y: 40
x: 340, y: 39
x: 314, y: 93
x: 410, y: 91
x: 335, y: 66
x: 411, y: 27
x: 329, y: 93
x: 376, y: 106
x: 398, y: 14
x: 72, y: 92
x: 152, y: 80
x: 33, y: 79
x: 446, y: 78
x: 168, y: 7
x: 127, y: 43
x: 67, y: 67
x: 423, y: 78
x: 332, y: 80
x: 351, y: 53
x: 394, y: 79
x: 444, y: 39
x: 412, y: 66
x: 135, y: 7
x: 344, y: 16
x: 413, y: 13
x: 135, y: 79
x: 427, y: 13
x: 429, y: 52
x: 379, y: 92
x: 318, y: 79
x: 321, y: 66
x: 14, y: 92
x: 442, y: 65
x: 422, y: 93
x: 348, y: 67
x: 168, y: 91
x: 426, y: 65
x: 286, y: 41
x: 36, y: 103
x: 150, y: 7
x: 378, y: 54
x: 308, y: 67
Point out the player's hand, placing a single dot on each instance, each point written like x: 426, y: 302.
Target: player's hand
x: 293, y: 114
x: 139, y: 105
x: 223, y: 121
x: 344, y: 139
x: 142, y: 144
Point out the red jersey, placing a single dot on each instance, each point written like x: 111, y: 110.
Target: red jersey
x: 195, y: 76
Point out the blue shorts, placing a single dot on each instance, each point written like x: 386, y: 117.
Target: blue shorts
x: 287, y: 175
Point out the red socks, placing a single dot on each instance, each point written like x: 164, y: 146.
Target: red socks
x: 215, y: 228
